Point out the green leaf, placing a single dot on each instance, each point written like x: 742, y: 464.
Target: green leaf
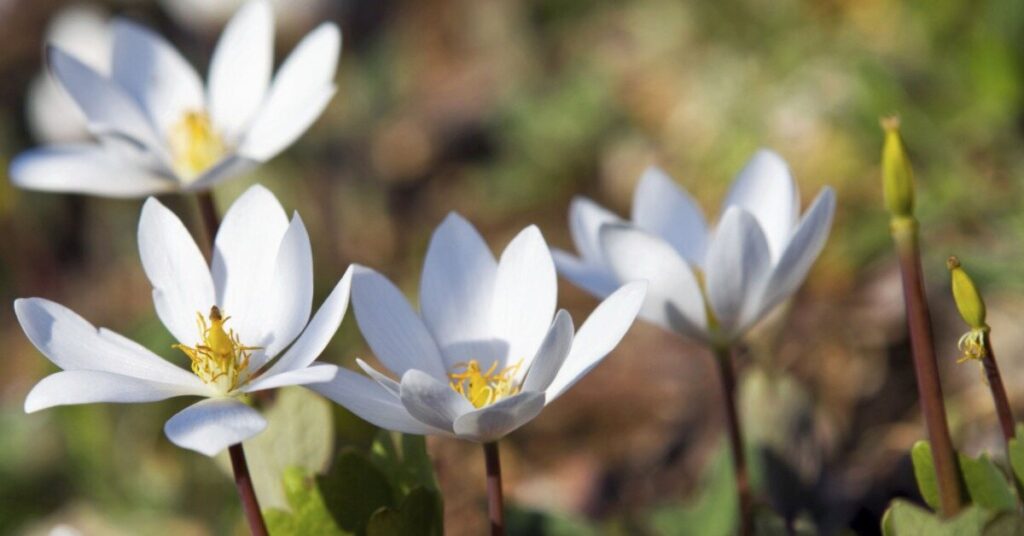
x: 924, y: 473
x: 308, y: 515
x: 907, y: 519
x: 403, y: 458
x: 987, y: 486
x: 420, y: 513
x: 1005, y: 524
x: 299, y: 433
x: 1016, y: 448
x: 354, y: 489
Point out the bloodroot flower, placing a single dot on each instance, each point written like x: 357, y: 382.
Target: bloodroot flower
x: 231, y: 320
x: 160, y: 130
x: 711, y: 283
x: 486, y: 352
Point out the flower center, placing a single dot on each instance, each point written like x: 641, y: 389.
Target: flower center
x: 219, y: 358
x: 484, y: 388
x: 194, y: 144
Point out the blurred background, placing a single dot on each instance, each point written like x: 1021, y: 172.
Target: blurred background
x: 504, y: 110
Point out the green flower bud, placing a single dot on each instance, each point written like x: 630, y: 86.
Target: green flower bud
x: 968, y: 299
x: 897, y: 175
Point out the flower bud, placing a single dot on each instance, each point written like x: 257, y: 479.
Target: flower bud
x: 968, y: 299
x: 897, y: 175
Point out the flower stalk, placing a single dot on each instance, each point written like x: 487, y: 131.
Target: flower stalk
x: 250, y: 504
x: 208, y: 212
x: 977, y: 344
x: 495, y: 499
x: 723, y: 356
x: 897, y: 178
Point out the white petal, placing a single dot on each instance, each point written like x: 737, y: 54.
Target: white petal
x: 240, y: 68
x: 455, y: 292
x: 315, y: 374
x: 153, y: 72
x: 107, y: 107
x: 372, y: 403
x: 662, y: 208
x: 244, y: 259
x: 738, y: 265
x: 598, y: 336
x: 84, y: 169
x: 289, y: 295
x: 213, y: 425
x: 72, y: 343
x: 390, y: 326
x: 89, y: 386
x: 174, y: 265
x: 431, y: 401
x: 765, y: 189
x: 301, y: 90
x: 585, y: 220
x: 801, y: 252
x: 597, y: 279
x: 319, y: 331
x: 493, y: 422
x: 525, y: 292
x: 384, y: 381
x: 674, y: 298
x: 552, y: 353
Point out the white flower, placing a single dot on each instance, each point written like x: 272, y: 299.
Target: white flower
x: 231, y: 320
x: 159, y: 130
x: 715, y: 284
x: 483, y: 356
x: 202, y: 15
x: 52, y: 116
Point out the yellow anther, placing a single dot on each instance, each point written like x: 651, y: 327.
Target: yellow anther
x: 973, y: 345
x: 194, y: 144
x: 484, y: 388
x: 220, y: 358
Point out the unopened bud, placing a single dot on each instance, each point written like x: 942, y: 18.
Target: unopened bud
x: 968, y: 299
x: 897, y: 175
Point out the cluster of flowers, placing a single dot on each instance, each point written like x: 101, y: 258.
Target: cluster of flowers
x: 487, y: 350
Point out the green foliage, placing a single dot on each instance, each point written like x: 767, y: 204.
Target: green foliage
x: 404, y: 459
x: 906, y: 519
x: 993, y: 504
x: 354, y: 490
x: 924, y: 473
x: 712, y: 513
x: 1017, y: 456
x: 420, y: 513
x: 308, y: 515
x: 537, y: 523
x: 388, y: 488
x: 987, y: 486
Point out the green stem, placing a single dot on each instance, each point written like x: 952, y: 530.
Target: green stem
x: 723, y: 356
x: 929, y: 387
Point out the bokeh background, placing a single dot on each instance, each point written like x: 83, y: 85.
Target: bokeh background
x: 504, y: 110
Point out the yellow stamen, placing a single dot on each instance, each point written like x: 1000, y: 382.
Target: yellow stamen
x: 972, y: 345
x: 194, y: 144
x: 219, y: 358
x: 484, y: 388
